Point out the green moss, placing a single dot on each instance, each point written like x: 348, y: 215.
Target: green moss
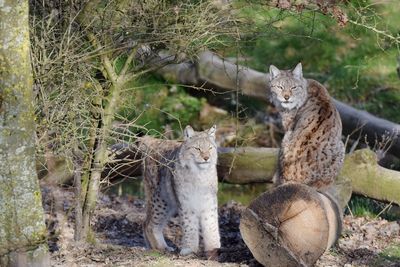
x: 21, y: 214
x: 38, y: 196
x: 91, y: 238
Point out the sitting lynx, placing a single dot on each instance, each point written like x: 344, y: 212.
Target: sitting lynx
x: 312, y: 151
x: 181, y: 178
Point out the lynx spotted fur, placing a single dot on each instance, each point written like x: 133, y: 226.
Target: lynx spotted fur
x: 181, y: 178
x: 312, y: 151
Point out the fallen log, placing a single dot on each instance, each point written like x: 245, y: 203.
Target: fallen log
x: 360, y: 174
x: 254, y: 165
x: 212, y: 72
x: 245, y: 165
x: 370, y: 179
x: 290, y: 225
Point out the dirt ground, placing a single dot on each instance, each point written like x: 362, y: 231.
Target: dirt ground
x: 119, y: 240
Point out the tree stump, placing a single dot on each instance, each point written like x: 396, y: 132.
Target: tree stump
x: 291, y: 225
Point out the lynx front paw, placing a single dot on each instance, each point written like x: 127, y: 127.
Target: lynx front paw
x: 169, y: 249
x: 212, y: 254
x: 185, y: 251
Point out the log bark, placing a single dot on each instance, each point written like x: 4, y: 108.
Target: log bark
x: 370, y: 179
x: 361, y: 173
x: 22, y: 225
x: 212, y: 72
x: 246, y: 164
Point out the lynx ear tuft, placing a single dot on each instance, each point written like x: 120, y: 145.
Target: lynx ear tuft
x: 188, y: 132
x: 212, y: 130
x: 273, y: 72
x: 298, y: 71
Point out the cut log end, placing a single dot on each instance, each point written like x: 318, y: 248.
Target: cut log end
x: 292, y: 225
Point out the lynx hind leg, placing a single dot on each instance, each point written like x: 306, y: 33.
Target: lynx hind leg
x: 190, y: 229
x: 157, y: 216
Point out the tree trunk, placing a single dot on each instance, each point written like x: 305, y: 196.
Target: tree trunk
x: 107, y: 106
x: 210, y: 71
x: 100, y: 148
x: 22, y: 227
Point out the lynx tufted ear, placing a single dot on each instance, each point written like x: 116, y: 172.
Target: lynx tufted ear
x: 273, y: 72
x: 188, y: 132
x: 298, y: 71
x: 212, y: 130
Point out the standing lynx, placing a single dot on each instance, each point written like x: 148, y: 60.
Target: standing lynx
x: 312, y: 151
x: 181, y: 178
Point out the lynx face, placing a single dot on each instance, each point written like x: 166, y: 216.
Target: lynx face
x: 199, y: 148
x: 288, y: 88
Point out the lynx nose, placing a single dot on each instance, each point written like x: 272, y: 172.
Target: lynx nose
x: 206, y: 158
x: 286, y: 97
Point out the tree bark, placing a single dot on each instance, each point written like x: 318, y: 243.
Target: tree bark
x: 22, y: 227
x: 101, y: 139
x: 213, y: 72
x: 108, y: 106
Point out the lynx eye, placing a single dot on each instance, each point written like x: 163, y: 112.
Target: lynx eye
x: 278, y: 87
x: 295, y: 88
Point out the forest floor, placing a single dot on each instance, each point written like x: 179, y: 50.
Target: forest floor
x: 119, y: 240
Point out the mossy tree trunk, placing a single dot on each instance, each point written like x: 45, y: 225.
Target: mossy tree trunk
x: 22, y: 226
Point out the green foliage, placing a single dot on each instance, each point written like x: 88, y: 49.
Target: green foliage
x: 390, y: 256
x: 119, y: 63
x: 156, y: 107
x: 243, y: 194
x: 358, y: 65
x: 362, y: 206
x: 391, y: 253
x: 127, y: 187
x: 181, y: 109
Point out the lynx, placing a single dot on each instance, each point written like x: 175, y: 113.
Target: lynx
x: 312, y: 151
x: 181, y: 179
